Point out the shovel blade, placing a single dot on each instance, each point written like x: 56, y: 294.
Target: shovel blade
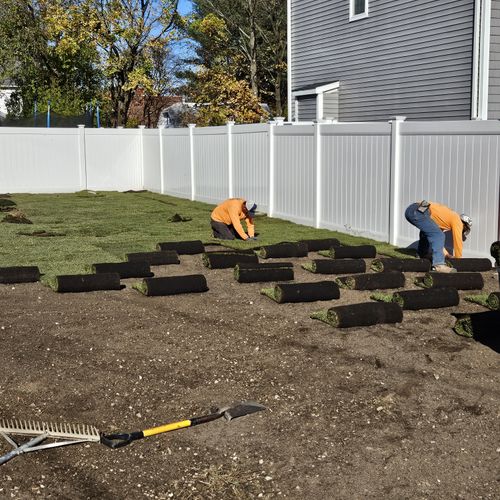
x: 241, y: 409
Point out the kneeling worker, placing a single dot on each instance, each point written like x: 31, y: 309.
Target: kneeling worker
x: 432, y: 219
x: 226, y: 217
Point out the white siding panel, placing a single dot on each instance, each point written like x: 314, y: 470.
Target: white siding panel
x: 176, y: 162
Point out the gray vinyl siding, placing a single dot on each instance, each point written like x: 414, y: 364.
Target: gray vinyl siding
x: 307, y: 108
x: 494, y: 83
x: 408, y: 57
x: 331, y: 105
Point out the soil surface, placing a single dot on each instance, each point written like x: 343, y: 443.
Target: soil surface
x: 392, y: 411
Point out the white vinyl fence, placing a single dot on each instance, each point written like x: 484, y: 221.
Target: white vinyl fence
x: 352, y: 177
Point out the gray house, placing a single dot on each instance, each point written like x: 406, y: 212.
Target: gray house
x: 368, y: 60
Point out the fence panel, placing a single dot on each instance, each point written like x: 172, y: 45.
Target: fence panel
x: 294, y: 175
x: 211, y: 168
x: 34, y: 160
x: 113, y: 159
x: 176, y: 162
x: 355, y: 173
x: 151, y: 160
x: 251, y: 163
x: 458, y: 164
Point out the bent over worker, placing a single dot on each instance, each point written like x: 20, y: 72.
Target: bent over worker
x: 226, y: 219
x: 433, y: 219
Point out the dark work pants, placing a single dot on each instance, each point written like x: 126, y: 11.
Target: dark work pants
x: 224, y: 231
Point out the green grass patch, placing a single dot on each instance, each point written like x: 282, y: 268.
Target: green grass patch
x: 105, y: 226
x: 382, y: 297
x: 481, y: 299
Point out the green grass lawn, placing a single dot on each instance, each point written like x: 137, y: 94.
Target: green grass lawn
x: 104, y: 226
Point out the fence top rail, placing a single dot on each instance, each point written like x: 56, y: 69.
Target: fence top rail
x: 250, y: 128
x: 353, y: 129
x: 471, y: 127
x: 220, y: 130
x: 38, y: 131
x: 175, y: 132
x: 112, y: 131
x: 287, y: 130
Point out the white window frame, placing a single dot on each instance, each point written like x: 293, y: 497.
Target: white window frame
x: 319, y: 92
x: 356, y: 17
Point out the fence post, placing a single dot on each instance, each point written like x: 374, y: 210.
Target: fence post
x: 395, y: 179
x: 141, y: 153
x: 229, y: 126
x: 82, y: 157
x: 317, y: 168
x: 162, y: 173
x: 191, y: 127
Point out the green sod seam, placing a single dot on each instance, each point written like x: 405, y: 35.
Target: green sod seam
x: 481, y: 299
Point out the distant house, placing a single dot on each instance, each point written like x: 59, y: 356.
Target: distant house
x: 146, y: 109
x: 6, y: 90
x: 368, y: 60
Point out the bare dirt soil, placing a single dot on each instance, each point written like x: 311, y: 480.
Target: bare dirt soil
x: 391, y: 411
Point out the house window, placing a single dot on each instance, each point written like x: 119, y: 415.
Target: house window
x: 358, y: 9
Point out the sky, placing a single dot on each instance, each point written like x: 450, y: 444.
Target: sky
x: 184, y: 6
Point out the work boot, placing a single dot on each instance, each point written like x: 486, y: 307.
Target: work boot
x: 443, y: 268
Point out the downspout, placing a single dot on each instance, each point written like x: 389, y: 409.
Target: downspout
x: 481, y: 58
x: 289, y: 58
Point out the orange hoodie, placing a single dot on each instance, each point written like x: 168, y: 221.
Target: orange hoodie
x: 231, y: 212
x: 448, y: 220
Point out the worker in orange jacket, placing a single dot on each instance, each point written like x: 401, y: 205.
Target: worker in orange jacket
x: 226, y: 219
x: 433, y: 219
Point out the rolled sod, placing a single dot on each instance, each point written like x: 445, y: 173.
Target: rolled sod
x: 365, y: 314
x: 460, y: 281
x: 482, y: 327
x: 160, y: 258
x: 324, y: 244
x: 124, y: 269
x: 470, y: 265
x: 494, y: 301
x: 73, y: 283
x: 282, y: 250
x: 254, y: 275
x: 303, y: 292
x: 182, y: 247
x: 351, y: 252
x: 224, y: 260
x: 403, y: 265
x: 491, y: 301
x: 19, y: 274
x: 495, y: 252
x: 172, y: 285
x: 372, y: 281
x: 433, y: 298
x: 331, y: 266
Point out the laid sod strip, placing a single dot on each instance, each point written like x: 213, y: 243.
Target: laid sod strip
x: 350, y: 252
x: 242, y: 275
x: 495, y: 252
x: 482, y: 327
x: 263, y: 265
x: 403, y: 265
x: 172, y: 285
x: 460, y: 281
x: 19, y: 274
x: 124, y: 269
x: 372, y: 281
x: 303, y: 292
x: 182, y: 247
x: 324, y: 244
x: 330, y: 266
x: 433, y: 298
x: 470, y: 265
x: 364, y: 314
x: 224, y: 260
x: 161, y: 258
x: 282, y: 250
x: 73, y: 283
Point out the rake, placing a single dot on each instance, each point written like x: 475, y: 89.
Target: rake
x: 62, y: 434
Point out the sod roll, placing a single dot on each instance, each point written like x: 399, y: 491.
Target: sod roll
x: 481, y: 299
x: 460, y: 281
x: 494, y: 301
x: 482, y: 327
x: 351, y: 252
x: 172, y: 285
x: 73, y: 283
x: 19, y: 274
x: 303, y: 292
x: 495, y: 252
x: 403, y: 265
x: 432, y: 298
x: 160, y: 258
x: 283, y: 250
x: 323, y: 244
x: 263, y: 265
x: 124, y: 269
x: 470, y: 265
x: 365, y: 314
x: 242, y: 275
x: 331, y: 266
x: 372, y: 281
x: 224, y: 260
x: 182, y: 247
